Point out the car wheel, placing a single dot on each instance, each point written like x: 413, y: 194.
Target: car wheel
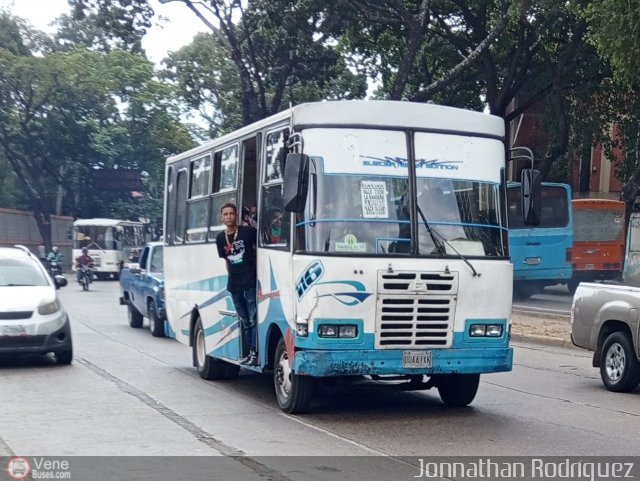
x: 457, y: 390
x: 156, y: 326
x: 293, y: 391
x: 135, y: 318
x: 619, y: 367
x: 208, y: 368
x: 64, y: 357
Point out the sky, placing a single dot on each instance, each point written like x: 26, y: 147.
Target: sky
x: 165, y: 36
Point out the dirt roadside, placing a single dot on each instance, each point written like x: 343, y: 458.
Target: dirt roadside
x: 541, y: 329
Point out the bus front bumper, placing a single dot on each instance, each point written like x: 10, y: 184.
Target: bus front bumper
x: 381, y: 362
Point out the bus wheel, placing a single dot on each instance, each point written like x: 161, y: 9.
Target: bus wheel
x: 572, y: 286
x: 292, y: 390
x: 208, y: 368
x: 619, y: 368
x: 135, y: 318
x: 458, y: 390
x: 156, y: 326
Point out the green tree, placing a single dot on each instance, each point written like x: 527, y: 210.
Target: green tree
x: 614, y: 28
x: 64, y: 116
x: 105, y: 25
x: 278, y: 52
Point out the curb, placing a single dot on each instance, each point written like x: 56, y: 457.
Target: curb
x: 543, y: 341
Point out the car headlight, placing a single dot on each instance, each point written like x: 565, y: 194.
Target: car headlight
x: 49, y: 308
x: 160, y: 291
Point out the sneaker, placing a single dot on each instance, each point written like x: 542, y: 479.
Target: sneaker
x: 253, y: 360
x: 245, y: 359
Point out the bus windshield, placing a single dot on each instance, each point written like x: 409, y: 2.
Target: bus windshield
x: 365, y: 215
x: 598, y: 225
x: 96, y: 237
x: 554, y: 208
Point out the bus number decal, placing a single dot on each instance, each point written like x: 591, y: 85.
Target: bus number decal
x: 308, y: 278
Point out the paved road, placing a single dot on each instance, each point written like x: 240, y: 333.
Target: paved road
x: 128, y: 393
x: 554, y: 301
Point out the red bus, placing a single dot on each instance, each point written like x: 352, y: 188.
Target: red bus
x: 598, y: 240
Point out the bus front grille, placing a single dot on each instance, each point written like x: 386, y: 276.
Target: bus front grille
x: 415, y: 310
x: 414, y: 322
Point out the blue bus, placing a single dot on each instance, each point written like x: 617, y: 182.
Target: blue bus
x: 541, y: 254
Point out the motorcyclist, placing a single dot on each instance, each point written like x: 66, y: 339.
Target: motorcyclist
x: 55, y: 256
x: 84, y: 260
x: 135, y: 255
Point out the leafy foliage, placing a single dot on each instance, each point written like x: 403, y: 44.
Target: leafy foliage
x: 65, y: 116
x: 106, y: 25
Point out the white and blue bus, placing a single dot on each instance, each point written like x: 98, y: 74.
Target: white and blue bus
x: 392, y: 257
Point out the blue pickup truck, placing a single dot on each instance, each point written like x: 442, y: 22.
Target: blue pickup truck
x: 142, y: 290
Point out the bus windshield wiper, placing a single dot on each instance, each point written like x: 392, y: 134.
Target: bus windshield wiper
x: 439, y: 238
x: 436, y: 242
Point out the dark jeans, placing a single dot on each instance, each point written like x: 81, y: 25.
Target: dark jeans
x: 245, y: 303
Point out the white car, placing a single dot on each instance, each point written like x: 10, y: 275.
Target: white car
x: 32, y: 319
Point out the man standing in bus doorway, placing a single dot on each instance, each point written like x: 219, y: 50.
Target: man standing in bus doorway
x: 237, y: 246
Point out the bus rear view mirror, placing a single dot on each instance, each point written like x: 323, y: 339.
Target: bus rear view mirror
x: 296, y: 182
x: 531, y: 191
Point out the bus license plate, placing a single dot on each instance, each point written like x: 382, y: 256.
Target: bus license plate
x: 416, y: 359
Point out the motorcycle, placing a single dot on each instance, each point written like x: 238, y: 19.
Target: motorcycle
x: 55, y: 269
x: 85, y: 277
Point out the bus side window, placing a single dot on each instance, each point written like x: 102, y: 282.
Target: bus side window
x: 274, y: 221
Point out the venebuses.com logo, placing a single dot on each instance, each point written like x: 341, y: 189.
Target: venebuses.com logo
x: 18, y: 468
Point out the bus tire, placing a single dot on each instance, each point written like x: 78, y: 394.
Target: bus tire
x: 208, y: 368
x: 156, y: 326
x: 293, y: 391
x: 619, y: 367
x: 135, y: 318
x: 457, y: 390
x: 572, y: 285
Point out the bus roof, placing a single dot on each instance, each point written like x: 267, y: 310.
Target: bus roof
x: 371, y: 114
x: 105, y: 222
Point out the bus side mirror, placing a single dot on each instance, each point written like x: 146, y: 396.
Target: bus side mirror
x: 531, y: 192
x: 296, y: 182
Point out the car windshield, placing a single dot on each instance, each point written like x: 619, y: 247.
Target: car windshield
x: 21, y: 272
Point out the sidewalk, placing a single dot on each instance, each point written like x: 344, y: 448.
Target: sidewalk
x: 541, y: 329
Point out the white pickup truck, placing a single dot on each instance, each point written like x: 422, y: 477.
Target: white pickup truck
x: 606, y: 319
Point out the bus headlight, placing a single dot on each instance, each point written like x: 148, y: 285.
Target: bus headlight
x: 347, y: 331
x: 494, y: 330
x: 477, y: 330
x: 328, y: 330
x: 485, y: 330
